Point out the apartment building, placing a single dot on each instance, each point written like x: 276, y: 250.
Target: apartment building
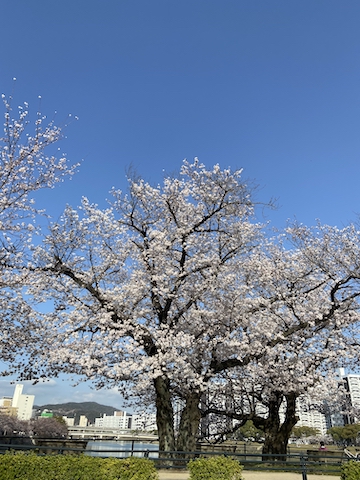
x: 19, y: 405
x: 119, y: 420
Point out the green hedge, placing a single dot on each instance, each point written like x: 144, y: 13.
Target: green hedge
x: 350, y: 471
x: 215, y: 468
x: 22, y: 466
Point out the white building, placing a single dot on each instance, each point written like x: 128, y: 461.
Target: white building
x: 70, y: 422
x: 23, y: 403
x: 144, y: 422
x: 352, y: 388
x: 310, y: 416
x: 83, y: 421
x: 124, y: 421
x: 352, y: 385
x: 119, y: 420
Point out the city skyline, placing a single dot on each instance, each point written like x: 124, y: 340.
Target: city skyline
x: 51, y: 392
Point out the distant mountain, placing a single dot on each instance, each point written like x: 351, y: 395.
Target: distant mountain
x: 91, y: 410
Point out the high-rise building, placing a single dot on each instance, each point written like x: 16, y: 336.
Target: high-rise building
x: 351, y: 384
x: 83, y: 421
x: 23, y: 403
x: 312, y: 417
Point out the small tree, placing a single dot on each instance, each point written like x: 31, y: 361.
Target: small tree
x: 250, y: 432
x: 346, y: 435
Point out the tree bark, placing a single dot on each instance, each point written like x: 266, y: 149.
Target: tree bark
x: 164, y: 415
x: 276, y: 434
x: 189, y: 424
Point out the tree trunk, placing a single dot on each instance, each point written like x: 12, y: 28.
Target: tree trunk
x: 291, y: 418
x: 189, y: 424
x: 276, y: 434
x: 164, y: 415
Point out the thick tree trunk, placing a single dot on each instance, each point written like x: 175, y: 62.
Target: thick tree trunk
x: 291, y: 418
x: 189, y: 424
x: 164, y: 415
x: 276, y: 434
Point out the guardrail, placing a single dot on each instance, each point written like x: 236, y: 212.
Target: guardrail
x: 302, y: 463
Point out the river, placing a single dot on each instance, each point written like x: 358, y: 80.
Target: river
x: 121, y: 448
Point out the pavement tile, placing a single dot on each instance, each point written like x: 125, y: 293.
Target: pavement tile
x: 184, y: 475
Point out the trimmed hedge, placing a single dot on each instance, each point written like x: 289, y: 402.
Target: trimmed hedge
x: 24, y: 466
x: 350, y: 471
x: 215, y: 468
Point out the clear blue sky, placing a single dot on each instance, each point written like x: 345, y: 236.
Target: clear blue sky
x: 272, y: 86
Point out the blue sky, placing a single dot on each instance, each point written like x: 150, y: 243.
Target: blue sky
x: 272, y: 86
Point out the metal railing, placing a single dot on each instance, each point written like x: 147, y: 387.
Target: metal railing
x: 302, y: 463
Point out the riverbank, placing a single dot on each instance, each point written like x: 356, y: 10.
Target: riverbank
x: 249, y: 475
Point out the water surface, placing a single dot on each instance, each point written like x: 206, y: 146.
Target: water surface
x: 121, y: 448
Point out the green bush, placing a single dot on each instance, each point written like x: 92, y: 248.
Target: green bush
x: 23, y: 466
x: 129, y: 469
x: 350, y: 471
x: 215, y: 468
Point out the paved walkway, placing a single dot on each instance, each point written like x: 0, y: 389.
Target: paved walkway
x: 183, y: 475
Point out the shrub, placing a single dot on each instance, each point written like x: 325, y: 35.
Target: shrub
x: 23, y: 466
x: 350, y: 471
x: 215, y: 468
x: 129, y: 469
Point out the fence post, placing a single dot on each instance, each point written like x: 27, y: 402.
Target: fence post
x: 303, y: 460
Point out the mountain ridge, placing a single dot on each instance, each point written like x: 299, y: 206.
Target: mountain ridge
x: 91, y: 410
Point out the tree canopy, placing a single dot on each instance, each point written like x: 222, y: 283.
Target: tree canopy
x: 173, y: 290
x: 174, y: 286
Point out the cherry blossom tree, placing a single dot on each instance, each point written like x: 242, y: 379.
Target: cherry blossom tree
x: 39, y: 427
x: 52, y: 427
x: 313, y: 293
x: 11, y: 425
x: 133, y: 288
x: 173, y: 286
x: 25, y: 168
